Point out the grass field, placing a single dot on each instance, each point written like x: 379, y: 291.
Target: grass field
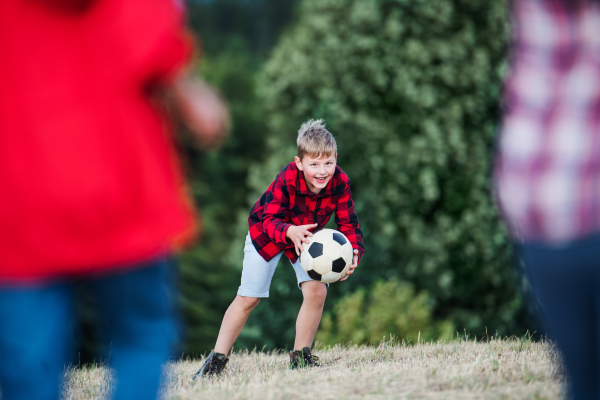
x: 494, y: 369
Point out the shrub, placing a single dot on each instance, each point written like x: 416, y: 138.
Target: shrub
x: 390, y: 308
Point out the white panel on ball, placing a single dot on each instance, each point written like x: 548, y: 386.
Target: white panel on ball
x: 332, y: 250
x: 348, y: 253
x: 346, y: 269
x: 324, y: 235
x: 322, y: 265
x: 331, y: 277
x: 306, y: 261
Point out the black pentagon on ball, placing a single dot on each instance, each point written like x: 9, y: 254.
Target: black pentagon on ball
x: 338, y: 237
x: 314, y: 275
x: 316, y: 250
x: 338, y: 265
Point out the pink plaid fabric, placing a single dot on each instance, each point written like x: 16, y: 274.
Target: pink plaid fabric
x: 548, y: 166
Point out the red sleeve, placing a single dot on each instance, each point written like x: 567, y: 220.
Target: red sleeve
x: 274, y: 211
x: 153, y: 39
x: 347, y: 220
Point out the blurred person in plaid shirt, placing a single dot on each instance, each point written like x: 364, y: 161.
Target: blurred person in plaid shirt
x: 548, y: 173
x: 301, y: 198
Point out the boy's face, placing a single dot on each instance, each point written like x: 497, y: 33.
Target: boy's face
x: 317, y: 171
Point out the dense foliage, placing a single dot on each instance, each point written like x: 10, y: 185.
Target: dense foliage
x: 410, y: 89
x: 258, y: 23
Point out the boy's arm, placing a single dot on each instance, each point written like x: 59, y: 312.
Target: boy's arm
x: 274, y: 211
x: 347, y: 220
x: 276, y: 204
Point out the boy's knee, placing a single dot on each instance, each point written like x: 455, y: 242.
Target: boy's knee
x: 249, y: 303
x: 314, y: 291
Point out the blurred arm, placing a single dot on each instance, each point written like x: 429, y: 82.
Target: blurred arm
x: 202, y: 109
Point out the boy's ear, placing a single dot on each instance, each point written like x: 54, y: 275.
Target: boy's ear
x: 298, y: 163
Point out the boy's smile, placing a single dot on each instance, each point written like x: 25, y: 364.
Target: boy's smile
x: 317, y: 171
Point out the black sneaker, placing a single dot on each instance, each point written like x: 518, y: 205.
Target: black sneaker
x: 215, y: 364
x: 303, y: 358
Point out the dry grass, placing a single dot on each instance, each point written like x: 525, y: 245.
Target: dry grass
x: 494, y: 369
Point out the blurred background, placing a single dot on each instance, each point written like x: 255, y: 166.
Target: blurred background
x: 411, y: 91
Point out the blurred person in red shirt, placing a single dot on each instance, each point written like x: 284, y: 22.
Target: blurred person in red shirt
x: 90, y: 183
x: 548, y: 173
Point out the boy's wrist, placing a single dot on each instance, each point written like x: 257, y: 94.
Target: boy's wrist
x: 287, y: 230
x: 284, y: 233
x: 360, y: 253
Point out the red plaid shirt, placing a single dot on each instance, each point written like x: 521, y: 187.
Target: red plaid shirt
x: 288, y: 201
x: 548, y: 166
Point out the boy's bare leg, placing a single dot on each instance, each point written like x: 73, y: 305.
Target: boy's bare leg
x: 234, y: 320
x: 310, y: 313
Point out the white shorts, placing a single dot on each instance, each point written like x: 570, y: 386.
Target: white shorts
x: 258, y: 273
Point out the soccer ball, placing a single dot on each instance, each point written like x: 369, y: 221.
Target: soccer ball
x: 328, y: 257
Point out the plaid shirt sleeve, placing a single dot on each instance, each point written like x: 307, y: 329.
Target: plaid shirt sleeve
x: 274, y: 212
x: 347, y: 220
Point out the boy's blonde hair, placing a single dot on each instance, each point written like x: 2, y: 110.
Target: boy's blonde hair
x: 315, y: 141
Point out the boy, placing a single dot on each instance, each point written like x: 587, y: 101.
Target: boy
x: 301, y: 198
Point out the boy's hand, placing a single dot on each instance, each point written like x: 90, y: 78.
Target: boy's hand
x: 354, y: 265
x: 298, y: 234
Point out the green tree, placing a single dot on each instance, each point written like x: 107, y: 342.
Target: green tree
x: 410, y: 89
x: 258, y: 23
